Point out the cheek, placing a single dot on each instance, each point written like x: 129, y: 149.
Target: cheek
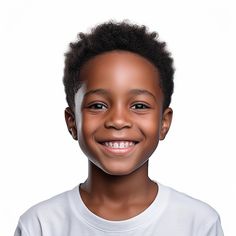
x: 89, y: 125
x: 150, y: 126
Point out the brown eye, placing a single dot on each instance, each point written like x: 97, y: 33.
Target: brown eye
x: 139, y: 106
x: 97, y: 106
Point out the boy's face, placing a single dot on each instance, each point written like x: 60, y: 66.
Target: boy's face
x: 119, y: 117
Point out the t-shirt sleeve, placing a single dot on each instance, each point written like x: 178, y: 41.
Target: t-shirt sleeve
x: 213, y: 229
x: 20, y: 230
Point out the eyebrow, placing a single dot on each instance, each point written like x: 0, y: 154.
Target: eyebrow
x: 142, y: 91
x: 96, y: 91
x: 132, y: 91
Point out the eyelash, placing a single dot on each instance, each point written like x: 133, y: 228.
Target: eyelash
x: 97, y: 106
x: 144, y: 106
x: 101, y: 106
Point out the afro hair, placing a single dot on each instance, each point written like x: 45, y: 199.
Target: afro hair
x: 111, y: 36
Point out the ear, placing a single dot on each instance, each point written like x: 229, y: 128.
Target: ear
x: 166, y: 122
x: 70, y: 122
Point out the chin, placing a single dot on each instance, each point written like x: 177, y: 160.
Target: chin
x: 118, y: 170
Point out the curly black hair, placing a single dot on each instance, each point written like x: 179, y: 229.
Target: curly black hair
x: 110, y: 36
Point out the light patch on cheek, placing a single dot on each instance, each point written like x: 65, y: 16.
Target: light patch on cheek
x: 78, y: 106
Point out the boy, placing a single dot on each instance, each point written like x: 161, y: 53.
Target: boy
x: 118, y: 82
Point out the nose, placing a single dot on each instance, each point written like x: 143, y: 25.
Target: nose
x: 118, y: 118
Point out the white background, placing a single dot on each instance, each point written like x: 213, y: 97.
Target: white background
x: 39, y: 159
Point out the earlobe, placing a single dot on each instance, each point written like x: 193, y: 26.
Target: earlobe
x: 166, y: 122
x: 70, y: 122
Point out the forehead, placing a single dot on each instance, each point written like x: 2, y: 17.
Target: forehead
x: 122, y: 70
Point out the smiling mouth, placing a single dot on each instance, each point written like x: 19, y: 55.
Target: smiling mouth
x: 119, y: 144
x: 119, y: 147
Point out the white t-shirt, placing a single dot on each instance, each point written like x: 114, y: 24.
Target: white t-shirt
x: 171, y: 214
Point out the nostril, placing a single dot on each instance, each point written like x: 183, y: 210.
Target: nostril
x: 118, y: 124
x: 118, y: 118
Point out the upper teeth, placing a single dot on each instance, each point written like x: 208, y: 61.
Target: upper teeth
x: 119, y: 144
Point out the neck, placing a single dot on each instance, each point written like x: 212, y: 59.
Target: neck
x: 129, y: 188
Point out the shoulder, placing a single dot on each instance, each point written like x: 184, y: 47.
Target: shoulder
x: 186, y: 206
x: 53, y: 203
x: 54, y: 209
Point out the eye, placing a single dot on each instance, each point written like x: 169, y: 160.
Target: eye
x: 140, y: 106
x: 97, y: 106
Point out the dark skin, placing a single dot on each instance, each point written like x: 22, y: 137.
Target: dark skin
x: 120, y: 103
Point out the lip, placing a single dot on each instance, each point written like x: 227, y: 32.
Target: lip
x: 118, y: 151
x: 113, y: 139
